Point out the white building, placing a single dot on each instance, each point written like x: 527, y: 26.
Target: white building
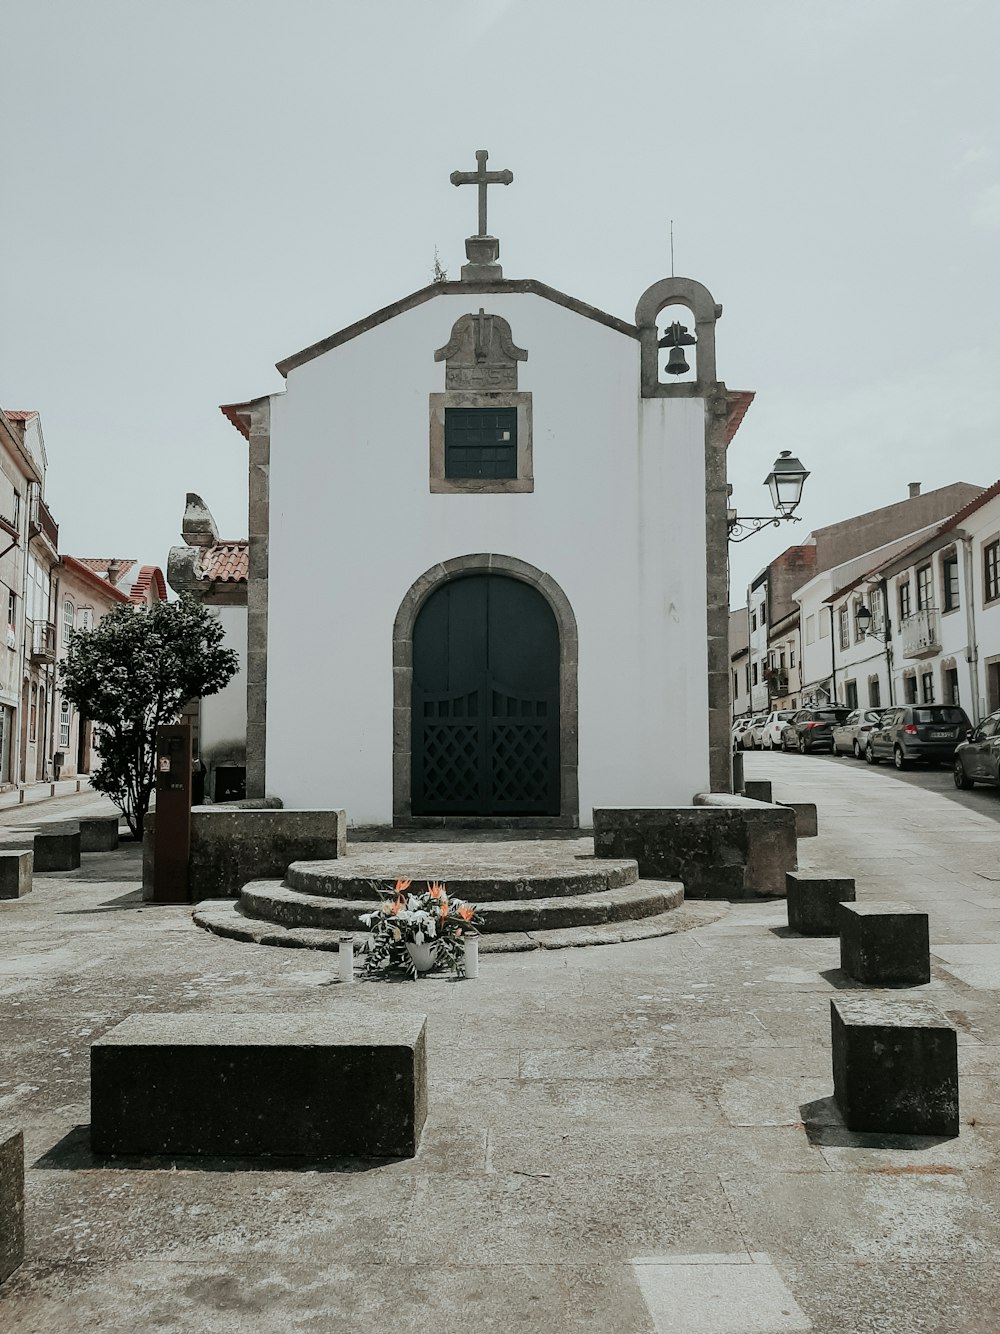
x: 488, y: 558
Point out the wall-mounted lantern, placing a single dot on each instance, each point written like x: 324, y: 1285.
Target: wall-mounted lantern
x: 785, y: 482
x: 864, y: 619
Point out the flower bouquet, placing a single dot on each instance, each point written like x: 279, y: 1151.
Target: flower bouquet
x: 418, y: 932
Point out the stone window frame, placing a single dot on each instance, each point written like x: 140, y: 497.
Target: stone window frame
x: 402, y: 692
x: 523, y: 483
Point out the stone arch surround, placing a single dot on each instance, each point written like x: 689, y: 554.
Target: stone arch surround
x: 402, y: 679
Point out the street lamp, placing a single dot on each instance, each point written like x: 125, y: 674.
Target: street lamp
x: 864, y: 619
x: 785, y: 482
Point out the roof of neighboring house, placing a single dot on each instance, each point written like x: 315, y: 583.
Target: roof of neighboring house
x: 226, y: 562
x: 84, y: 569
x: 100, y: 565
x: 900, y: 557
x: 19, y: 415
x: 150, y: 579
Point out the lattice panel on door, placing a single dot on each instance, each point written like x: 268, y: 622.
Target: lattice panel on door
x: 523, y: 756
x: 452, y: 751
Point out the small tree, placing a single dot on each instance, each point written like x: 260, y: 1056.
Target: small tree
x: 134, y: 672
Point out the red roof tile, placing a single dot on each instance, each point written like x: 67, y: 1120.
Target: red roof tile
x: 17, y: 415
x: 226, y: 562
x: 150, y: 578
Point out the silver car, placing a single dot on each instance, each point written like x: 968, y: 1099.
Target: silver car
x: 850, y: 736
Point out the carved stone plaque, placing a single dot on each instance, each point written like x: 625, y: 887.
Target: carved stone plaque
x: 481, y: 354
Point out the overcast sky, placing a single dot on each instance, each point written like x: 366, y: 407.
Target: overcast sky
x: 194, y: 189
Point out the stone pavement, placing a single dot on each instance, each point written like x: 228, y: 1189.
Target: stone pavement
x: 631, y: 1138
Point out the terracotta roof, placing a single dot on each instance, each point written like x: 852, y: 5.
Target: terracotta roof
x: 237, y: 414
x: 738, y: 400
x: 84, y: 569
x: 226, y: 562
x: 17, y: 415
x: 954, y: 521
x: 101, y: 566
x: 150, y: 576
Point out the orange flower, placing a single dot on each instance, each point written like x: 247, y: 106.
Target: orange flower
x: 436, y: 891
x: 402, y: 886
x: 444, y: 906
x: 466, y: 912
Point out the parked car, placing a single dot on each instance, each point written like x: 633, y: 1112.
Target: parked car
x: 770, y: 732
x: 747, y: 739
x: 850, y: 736
x: 739, y: 727
x: 977, y: 760
x: 929, y: 732
x: 812, y: 729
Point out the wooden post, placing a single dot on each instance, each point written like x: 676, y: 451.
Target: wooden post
x: 172, y: 838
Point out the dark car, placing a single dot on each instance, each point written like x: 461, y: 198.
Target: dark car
x: 929, y: 732
x: 978, y: 759
x: 812, y: 729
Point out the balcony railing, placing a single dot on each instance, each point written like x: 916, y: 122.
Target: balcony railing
x: 42, y: 521
x: 43, y: 641
x: 920, y: 634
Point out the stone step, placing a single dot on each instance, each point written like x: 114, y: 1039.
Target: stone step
x: 275, y: 902
x: 548, y: 871
x: 224, y: 917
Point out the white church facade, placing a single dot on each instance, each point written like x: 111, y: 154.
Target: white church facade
x: 523, y: 610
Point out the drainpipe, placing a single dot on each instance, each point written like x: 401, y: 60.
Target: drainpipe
x: 833, y: 659
x: 972, y: 648
x: 887, y: 626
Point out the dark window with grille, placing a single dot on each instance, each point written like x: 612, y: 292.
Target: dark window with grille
x: 904, y: 601
x: 925, y: 588
x: 949, y: 581
x: 480, y: 442
x: 991, y: 560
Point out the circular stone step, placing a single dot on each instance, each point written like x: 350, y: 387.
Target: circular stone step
x: 273, y: 902
x: 474, y: 871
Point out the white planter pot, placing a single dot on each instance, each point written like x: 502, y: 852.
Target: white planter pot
x: 424, y: 956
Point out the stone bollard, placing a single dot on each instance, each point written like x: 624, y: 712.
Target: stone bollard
x: 813, y: 902
x: 57, y: 849
x: 884, y: 944
x: 15, y: 874
x: 895, y: 1066
x: 806, y: 822
x: 738, y: 779
x: 11, y: 1203
x: 99, y: 833
x: 758, y: 789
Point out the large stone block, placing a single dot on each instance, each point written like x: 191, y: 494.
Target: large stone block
x: 758, y: 789
x: 98, y: 833
x: 813, y: 901
x: 723, y: 847
x: 11, y: 1203
x: 231, y: 846
x: 57, y: 848
x: 884, y: 944
x: 15, y: 874
x: 806, y: 820
x: 895, y: 1066
x: 350, y: 1081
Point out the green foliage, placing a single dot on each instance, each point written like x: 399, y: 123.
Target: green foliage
x: 134, y: 672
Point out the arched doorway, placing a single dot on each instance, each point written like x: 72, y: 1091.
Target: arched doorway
x: 486, y: 697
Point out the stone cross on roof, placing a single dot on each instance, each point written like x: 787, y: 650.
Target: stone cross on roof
x: 482, y: 249
x: 482, y: 178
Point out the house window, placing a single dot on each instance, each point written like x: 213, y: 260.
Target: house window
x: 874, y: 693
x: 991, y: 564
x: 736, y: 685
x: 791, y: 657
x: 949, y: 581
x: 925, y: 588
x: 851, y: 694
x: 753, y: 673
x: 927, y: 688
x: 69, y: 615
x: 781, y: 659
x: 876, y: 608
x: 856, y: 606
x: 825, y: 623
x: 844, y: 622
x: 904, y: 601
x: 910, y: 689
x: 64, y: 720
x: 480, y: 442
x: 810, y: 629
x: 951, y: 686
x: 763, y: 613
x: 33, y: 713
x: 753, y: 620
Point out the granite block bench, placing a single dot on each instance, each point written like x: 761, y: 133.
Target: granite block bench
x: 350, y: 1081
x: 11, y: 1202
x: 15, y: 873
x: 98, y: 833
x: 884, y: 944
x: 895, y: 1065
x: 57, y: 848
x: 813, y: 901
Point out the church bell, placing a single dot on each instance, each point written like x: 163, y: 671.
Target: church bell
x: 677, y: 362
